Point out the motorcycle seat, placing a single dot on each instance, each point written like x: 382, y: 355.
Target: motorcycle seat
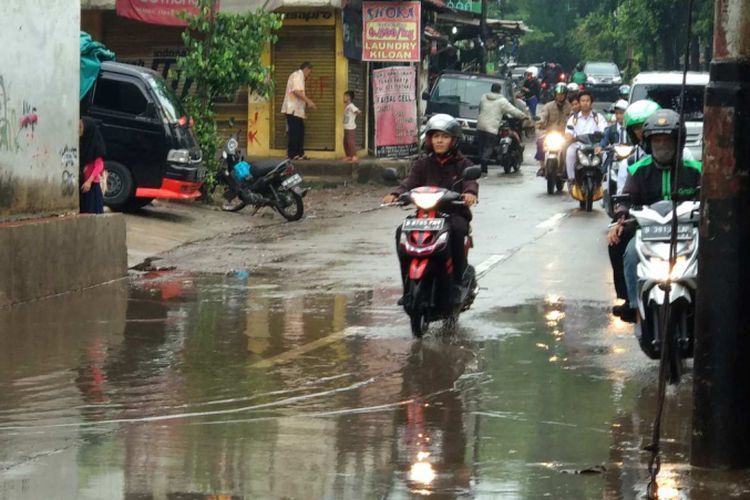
x: 263, y: 167
x: 662, y: 208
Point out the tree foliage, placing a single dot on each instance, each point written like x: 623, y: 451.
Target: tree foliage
x: 223, y: 54
x: 636, y: 34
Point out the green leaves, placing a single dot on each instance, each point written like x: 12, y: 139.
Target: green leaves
x: 224, y: 53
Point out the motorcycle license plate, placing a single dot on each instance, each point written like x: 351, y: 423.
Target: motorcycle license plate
x: 423, y: 224
x: 292, y: 181
x: 664, y: 232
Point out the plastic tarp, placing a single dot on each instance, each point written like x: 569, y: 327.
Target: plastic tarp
x: 92, y: 55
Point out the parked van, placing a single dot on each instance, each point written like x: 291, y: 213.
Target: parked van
x: 152, y: 151
x: 664, y: 88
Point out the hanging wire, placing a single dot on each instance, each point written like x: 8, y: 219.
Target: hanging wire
x: 654, y: 464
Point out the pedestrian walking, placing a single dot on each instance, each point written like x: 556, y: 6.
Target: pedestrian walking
x: 294, y: 107
x: 350, y: 126
x: 92, y: 151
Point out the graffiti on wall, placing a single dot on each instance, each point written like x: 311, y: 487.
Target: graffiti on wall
x: 69, y: 161
x: 13, y: 128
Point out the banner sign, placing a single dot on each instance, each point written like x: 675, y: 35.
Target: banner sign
x: 395, y: 103
x: 161, y: 12
x: 391, y: 31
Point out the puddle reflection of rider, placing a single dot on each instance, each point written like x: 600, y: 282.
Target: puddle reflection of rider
x: 430, y: 443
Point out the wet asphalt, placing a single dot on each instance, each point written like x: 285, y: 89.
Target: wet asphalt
x: 298, y: 378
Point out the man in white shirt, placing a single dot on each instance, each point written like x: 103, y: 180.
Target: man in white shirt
x: 293, y: 107
x: 586, y: 121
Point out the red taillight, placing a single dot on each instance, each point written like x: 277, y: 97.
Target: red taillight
x: 192, y: 122
x: 182, y: 121
x: 563, y: 77
x: 544, y: 85
x: 289, y: 170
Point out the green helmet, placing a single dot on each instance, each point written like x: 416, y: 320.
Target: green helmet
x: 561, y: 88
x: 639, y: 111
x: 637, y: 114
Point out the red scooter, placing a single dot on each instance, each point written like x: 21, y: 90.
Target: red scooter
x: 425, y: 255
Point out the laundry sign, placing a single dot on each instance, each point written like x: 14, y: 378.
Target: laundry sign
x: 391, y: 31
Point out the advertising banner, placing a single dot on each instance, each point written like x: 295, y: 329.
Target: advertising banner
x: 395, y: 103
x: 391, y: 31
x: 161, y: 12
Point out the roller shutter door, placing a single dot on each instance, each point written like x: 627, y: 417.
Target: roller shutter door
x: 316, y: 44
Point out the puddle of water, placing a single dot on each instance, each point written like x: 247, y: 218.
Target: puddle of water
x: 184, y: 386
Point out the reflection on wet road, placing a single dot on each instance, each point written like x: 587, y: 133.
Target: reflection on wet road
x: 189, y: 386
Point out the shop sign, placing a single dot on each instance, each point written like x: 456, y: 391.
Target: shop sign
x: 474, y: 6
x: 395, y: 103
x: 163, y: 12
x: 391, y: 31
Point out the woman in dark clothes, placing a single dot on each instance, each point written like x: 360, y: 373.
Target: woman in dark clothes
x: 92, y: 150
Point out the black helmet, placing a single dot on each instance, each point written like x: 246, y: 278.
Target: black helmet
x: 664, y: 122
x: 579, y: 66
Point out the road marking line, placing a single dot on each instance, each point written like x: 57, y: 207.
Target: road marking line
x: 305, y: 348
x: 552, y: 221
x: 488, y: 264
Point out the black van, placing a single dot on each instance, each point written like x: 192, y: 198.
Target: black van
x: 152, y: 151
x: 458, y: 94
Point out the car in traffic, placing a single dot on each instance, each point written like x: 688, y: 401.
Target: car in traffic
x: 603, y: 79
x: 458, y: 94
x: 664, y: 88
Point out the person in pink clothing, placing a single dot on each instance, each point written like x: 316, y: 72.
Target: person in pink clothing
x: 91, y: 150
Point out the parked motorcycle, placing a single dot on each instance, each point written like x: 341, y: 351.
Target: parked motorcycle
x: 423, y: 246
x: 554, y: 147
x: 264, y: 183
x: 616, y: 158
x: 509, y: 151
x: 587, y: 187
x: 652, y: 244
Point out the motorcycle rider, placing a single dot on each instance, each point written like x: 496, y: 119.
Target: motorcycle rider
x: 578, y: 75
x: 650, y: 181
x: 624, y: 91
x: 442, y: 167
x: 615, y: 133
x: 586, y: 121
x: 531, y: 89
x: 492, y: 107
x: 554, y: 117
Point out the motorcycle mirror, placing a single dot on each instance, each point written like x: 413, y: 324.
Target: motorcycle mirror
x: 231, y: 121
x: 472, y: 173
x: 426, y: 96
x: 390, y: 175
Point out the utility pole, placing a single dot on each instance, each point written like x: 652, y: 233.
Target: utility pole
x: 721, y: 406
x: 483, y: 36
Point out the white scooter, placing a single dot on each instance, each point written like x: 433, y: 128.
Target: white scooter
x: 617, y: 158
x: 652, y: 242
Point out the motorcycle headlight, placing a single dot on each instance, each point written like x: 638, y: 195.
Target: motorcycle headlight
x: 622, y: 151
x: 554, y: 142
x: 232, y: 146
x: 596, y: 160
x: 660, y: 268
x: 583, y: 159
x: 426, y: 201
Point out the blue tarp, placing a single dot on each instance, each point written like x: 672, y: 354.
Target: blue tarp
x: 92, y: 55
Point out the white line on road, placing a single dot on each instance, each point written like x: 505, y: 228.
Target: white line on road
x: 488, y: 264
x: 552, y: 221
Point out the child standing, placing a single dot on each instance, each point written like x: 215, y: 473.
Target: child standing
x: 91, y: 150
x: 350, y: 126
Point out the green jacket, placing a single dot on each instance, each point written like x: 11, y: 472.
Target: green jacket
x: 647, y: 184
x: 579, y: 77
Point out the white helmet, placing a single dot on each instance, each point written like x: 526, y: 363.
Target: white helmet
x: 621, y: 105
x: 533, y: 71
x: 573, y: 87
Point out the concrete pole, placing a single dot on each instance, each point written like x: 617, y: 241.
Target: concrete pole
x: 721, y: 403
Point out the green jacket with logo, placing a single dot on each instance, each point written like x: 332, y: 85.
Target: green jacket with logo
x: 648, y: 184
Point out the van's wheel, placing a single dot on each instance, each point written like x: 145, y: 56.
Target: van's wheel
x: 120, y: 186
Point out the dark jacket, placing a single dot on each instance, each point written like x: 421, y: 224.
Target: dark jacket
x: 612, y: 137
x: 531, y: 87
x: 648, y: 184
x: 429, y: 171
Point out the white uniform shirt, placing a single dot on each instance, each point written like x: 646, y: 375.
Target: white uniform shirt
x: 579, y: 124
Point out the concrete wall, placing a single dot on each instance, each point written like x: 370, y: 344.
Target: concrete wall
x: 39, y: 107
x: 46, y: 257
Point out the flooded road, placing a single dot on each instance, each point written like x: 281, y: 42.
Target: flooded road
x: 229, y: 385
x: 299, y: 379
